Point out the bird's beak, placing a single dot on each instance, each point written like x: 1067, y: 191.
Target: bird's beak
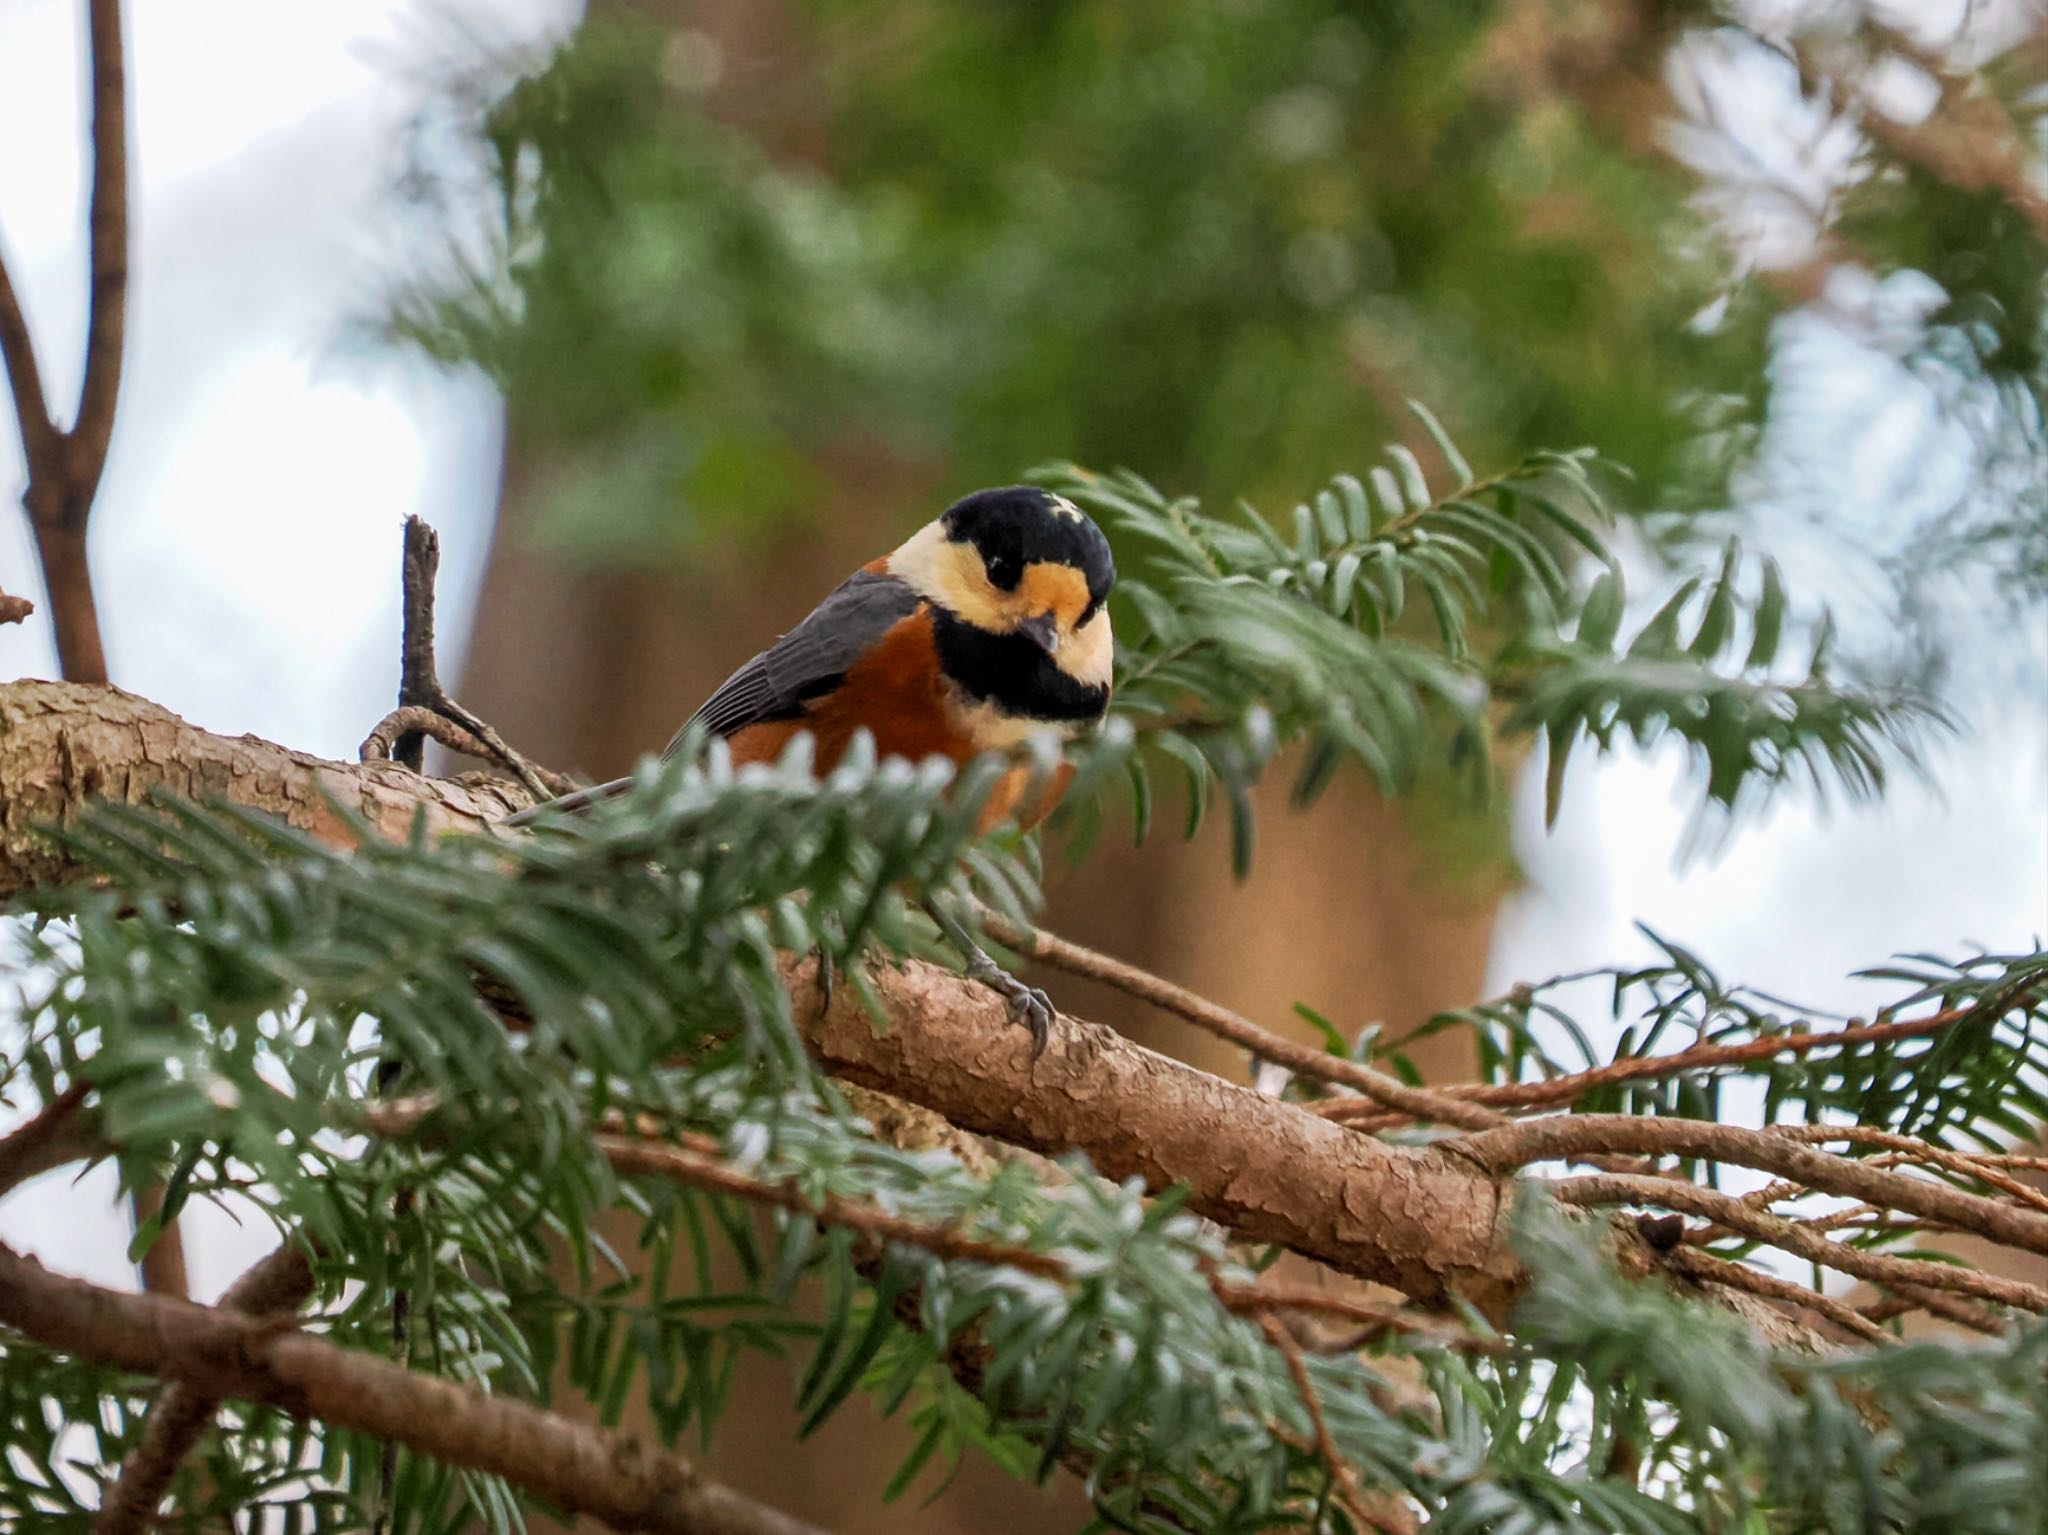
x: 1043, y: 631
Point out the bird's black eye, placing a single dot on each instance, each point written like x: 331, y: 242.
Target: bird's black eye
x: 1003, y: 571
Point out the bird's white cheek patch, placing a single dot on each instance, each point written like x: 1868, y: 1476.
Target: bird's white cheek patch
x: 1089, y: 656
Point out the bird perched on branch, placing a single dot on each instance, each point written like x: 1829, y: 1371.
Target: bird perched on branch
x: 986, y: 628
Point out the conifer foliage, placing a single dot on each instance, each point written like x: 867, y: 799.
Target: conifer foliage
x: 432, y: 1064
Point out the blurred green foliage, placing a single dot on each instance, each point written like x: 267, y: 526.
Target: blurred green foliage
x: 1220, y: 244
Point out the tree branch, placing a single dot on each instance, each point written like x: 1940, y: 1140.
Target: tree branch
x: 618, y: 1478
x: 1554, y: 1092
x: 1564, y: 1135
x: 1740, y: 1276
x: 1383, y: 1090
x: 278, y: 1285
x: 1795, y: 1238
x: 24, y: 377
x: 1344, y: 1481
x: 107, y: 318
x: 22, y: 1150
x: 1428, y: 1223
x: 64, y: 467
x: 424, y: 706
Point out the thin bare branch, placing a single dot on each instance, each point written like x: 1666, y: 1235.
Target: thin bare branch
x: 618, y: 1478
x: 1570, y: 1135
x: 1951, y: 1308
x: 1556, y: 1091
x: 1983, y: 1169
x: 21, y: 1153
x: 107, y: 319
x: 424, y: 707
x: 24, y: 376
x: 1343, y: 1480
x: 1384, y: 1090
x: 1741, y: 1276
x: 278, y: 1285
x: 1598, y: 1189
x: 673, y: 1162
x: 14, y: 610
x: 1378, y: 1318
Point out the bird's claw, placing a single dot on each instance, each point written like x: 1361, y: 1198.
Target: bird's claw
x: 1027, y: 1004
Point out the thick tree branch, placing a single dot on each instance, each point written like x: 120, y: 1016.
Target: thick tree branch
x: 278, y: 1285
x: 1427, y: 1223
x: 62, y: 744
x: 618, y: 1478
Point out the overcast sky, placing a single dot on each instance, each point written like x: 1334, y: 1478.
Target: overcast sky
x: 246, y: 538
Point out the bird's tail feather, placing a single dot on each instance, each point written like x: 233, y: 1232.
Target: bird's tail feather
x: 582, y: 799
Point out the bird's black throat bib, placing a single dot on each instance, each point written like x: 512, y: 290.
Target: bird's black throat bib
x: 1013, y: 673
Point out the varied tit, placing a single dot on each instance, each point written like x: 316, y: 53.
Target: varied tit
x: 987, y: 627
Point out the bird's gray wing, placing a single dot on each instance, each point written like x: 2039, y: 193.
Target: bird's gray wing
x: 810, y: 659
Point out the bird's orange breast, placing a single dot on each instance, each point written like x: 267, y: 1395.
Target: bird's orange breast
x: 900, y: 695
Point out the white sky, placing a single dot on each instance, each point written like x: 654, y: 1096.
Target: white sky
x: 246, y: 539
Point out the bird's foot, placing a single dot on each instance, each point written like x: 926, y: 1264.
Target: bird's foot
x: 1027, y: 1004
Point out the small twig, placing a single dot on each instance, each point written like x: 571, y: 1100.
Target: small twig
x: 1962, y: 1162
x: 419, y: 678
x: 1343, y: 1479
x: 14, y: 610
x: 276, y: 1286
x: 1569, y: 1135
x: 1709, y: 1269
x: 1598, y: 1189
x: 21, y: 1151
x: 628, y: 1155
x: 537, y: 779
x: 1387, y: 1091
x: 1377, y: 1319
x: 1554, y: 1091
x: 1954, y: 1309
x: 412, y: 722
x: 421, y: 698
x: 642, y: 1145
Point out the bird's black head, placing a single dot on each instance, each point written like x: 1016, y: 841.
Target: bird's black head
x: 1017, y: 579
x: 1020, y: 526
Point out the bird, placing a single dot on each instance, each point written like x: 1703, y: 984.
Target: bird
x: 986, y: 630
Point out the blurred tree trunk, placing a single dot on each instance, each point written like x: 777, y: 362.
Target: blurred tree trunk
x: 589, y: 669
